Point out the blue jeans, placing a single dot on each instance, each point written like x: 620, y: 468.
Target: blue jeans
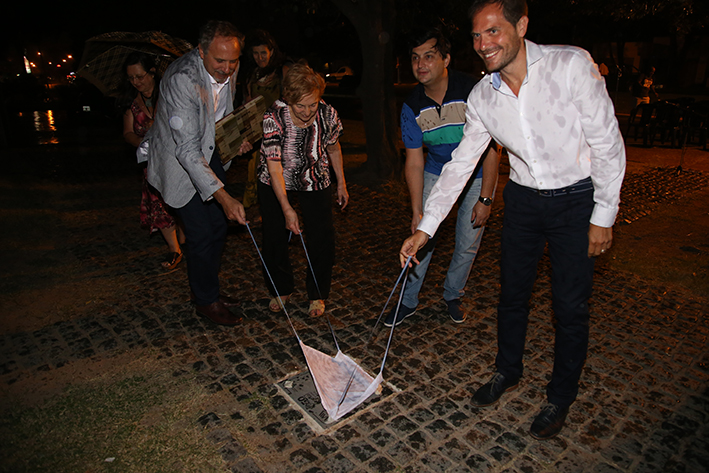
x: 467, y: 242
x: 530, y: 223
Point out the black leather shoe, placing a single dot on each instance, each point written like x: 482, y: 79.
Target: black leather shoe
x: 490, y: 392
x: 548, y: 422
x: 218, y: 313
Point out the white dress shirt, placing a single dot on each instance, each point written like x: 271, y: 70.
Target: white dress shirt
x: 220, y: 94
x: 560, y: 129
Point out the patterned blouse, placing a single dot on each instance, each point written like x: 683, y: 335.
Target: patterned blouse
x: 301, y: 151
x: 141, y: 121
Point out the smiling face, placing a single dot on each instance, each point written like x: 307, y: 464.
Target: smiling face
x: 142, y: 80
x: 497, y: 41
x: 305, y: 108
x: 222, y: 57
x: 427, y: 64
x: 262, y: 55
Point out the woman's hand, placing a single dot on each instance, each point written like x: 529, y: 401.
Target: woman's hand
x: 342, y: 196
x: 291, y: 220
x: 244, y: 148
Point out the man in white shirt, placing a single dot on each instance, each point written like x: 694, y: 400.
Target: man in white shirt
x: 549, y: 107
x: 183, y: 162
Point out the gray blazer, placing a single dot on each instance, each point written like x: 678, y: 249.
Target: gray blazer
x: 182, y: 140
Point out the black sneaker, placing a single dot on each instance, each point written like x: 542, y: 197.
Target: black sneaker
x: 548, y: 422
x: 403, y: 313
x: 455, y: 310
x: 490, y: 392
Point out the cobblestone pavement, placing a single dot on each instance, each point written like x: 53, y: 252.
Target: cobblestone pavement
x: 644, y: 399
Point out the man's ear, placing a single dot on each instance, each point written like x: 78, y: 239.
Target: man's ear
x: 447, y: 60
x: 522, y: 26
x: 201, y: 53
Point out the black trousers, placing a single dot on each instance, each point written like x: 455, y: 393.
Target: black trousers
x: 530, y: 222
x: 316, y: 209
x: 205, y: 232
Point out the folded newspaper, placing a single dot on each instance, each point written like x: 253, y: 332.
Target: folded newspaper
x: 243, y: 124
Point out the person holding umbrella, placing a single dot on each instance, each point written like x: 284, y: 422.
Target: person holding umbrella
x: 139, y: 103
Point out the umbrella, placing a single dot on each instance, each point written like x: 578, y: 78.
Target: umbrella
x: 104, y: 56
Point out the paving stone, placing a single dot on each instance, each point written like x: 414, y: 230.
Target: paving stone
x: 439, y: 429
x: 401, y: 453
x: 455, y: 450
x: 382, y: 438
x: 338, y: 464
x: 382, y: 464
x: 402, y: 426
x: 436, y: 462
x: 477, y: 462
x: 301, y: 457
x: 324, y: 445
x: 362, y: 451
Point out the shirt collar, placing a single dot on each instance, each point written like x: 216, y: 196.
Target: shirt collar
x: 534, y: 54
x: 216, y: 86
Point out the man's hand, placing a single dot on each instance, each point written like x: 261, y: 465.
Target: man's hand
x: 600, y: 239
x: 411, y: 246
x: 481, y: 213
x: 232, y: 207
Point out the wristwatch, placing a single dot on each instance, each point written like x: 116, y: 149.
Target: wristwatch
x: 485, y: 200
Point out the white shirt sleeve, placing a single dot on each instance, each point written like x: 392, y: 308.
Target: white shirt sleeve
x: 600, y: 128
x: 456, y: 172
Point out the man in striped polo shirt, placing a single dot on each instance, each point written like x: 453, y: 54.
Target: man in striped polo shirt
x: 433, y: 116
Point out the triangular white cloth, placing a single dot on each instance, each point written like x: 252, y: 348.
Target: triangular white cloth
x: 331, y: 376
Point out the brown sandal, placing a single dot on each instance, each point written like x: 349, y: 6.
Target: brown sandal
x: 317, y: 308
x: 275, y: 306
x: 173, y: 259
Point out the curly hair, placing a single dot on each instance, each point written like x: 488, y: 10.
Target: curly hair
x: 300, y: 81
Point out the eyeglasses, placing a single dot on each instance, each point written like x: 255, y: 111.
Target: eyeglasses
x: 135, y: 78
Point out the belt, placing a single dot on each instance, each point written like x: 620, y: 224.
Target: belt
x: 584, y: 185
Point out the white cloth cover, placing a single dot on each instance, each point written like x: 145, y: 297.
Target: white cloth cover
x: 331, y: 375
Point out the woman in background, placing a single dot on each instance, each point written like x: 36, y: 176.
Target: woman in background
x: 264, y: 80
x: 140, y: 102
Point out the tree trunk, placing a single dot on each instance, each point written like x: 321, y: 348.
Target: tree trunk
x: 374, y: 22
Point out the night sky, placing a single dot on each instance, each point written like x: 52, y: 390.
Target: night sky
x: 61, y: 28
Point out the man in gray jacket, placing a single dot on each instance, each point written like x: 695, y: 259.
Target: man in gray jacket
x: 185, y: 166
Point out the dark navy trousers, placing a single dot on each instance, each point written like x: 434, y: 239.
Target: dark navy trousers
x: 205, y: 232
x: 530, y: 222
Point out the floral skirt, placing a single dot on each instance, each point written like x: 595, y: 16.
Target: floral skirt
x: 154, y: 212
